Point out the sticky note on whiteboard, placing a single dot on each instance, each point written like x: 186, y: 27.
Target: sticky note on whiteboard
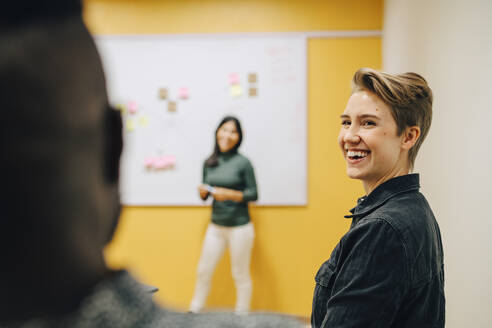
x: 236, y: 91
x: 130, y: 125
x: 171, y: 106
x: 253, y: 92
x: 121, y: 108
x: 143, y: 121
x: 159, y: 163
x: 149, y: 162
x: 183, y: 93
x: 233, y: 78
x: 252, y: 78
x: 170, y: 160
x: 132, y: 107
x: 163, y: 162
x: 163, y: 93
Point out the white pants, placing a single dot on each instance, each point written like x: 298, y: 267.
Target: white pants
x: 240, y: 242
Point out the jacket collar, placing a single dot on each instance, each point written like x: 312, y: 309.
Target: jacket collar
x: 383, y: 193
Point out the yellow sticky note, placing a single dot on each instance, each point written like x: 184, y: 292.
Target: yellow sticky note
x: 121, y: 108
x: 130, y: 125
x: 143, y: 121
x: 236, y: 90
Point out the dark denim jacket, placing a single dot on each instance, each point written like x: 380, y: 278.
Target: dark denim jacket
x: 387, y: 270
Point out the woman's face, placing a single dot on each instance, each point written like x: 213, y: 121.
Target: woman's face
x: 369, y: 142
x: 227, y: 136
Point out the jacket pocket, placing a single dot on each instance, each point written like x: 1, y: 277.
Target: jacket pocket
x: 324, y: 275
x: 322, y: 293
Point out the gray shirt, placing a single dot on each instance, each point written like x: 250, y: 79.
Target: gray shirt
x: 121, y: 302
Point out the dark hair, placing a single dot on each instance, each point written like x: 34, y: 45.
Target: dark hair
x: 408, y: 95
x: 213, y: 160
x: 22, y: 12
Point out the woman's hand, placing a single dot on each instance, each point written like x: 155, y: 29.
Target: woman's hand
x: 203, y: 192
x: 223, y: 194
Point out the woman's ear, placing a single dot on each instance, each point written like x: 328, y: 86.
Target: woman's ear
x: 410, y: 136
x: 114, y: 144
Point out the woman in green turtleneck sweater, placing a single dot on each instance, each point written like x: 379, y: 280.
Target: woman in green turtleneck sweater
x: 229, y: 178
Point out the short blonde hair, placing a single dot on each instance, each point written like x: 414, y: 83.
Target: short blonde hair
x: 408, y: 95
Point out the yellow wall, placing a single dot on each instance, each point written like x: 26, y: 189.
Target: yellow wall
x: 161, y: 245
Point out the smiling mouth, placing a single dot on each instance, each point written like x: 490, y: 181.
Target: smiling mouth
x: 356, y: 155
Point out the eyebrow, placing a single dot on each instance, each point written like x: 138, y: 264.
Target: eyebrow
x: 343, y: 116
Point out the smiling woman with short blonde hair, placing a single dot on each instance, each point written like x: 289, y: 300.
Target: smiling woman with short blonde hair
x: 408, y: 95
x: 387, y: 270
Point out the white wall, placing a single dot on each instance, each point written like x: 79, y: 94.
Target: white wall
x: 449, y: 42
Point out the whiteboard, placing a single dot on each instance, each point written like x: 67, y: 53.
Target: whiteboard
x: 208, y: 77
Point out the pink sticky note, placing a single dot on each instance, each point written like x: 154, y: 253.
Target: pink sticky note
x: 149, y: 162
x: 170, y: 160
x: 159, y: 163
x: 132, y: 107
x: 233, y: 78
x: 183, y: 93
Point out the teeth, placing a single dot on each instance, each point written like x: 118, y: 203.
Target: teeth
x: 352, y: 153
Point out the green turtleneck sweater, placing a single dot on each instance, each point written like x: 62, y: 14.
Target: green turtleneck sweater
x: 234, y: 171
